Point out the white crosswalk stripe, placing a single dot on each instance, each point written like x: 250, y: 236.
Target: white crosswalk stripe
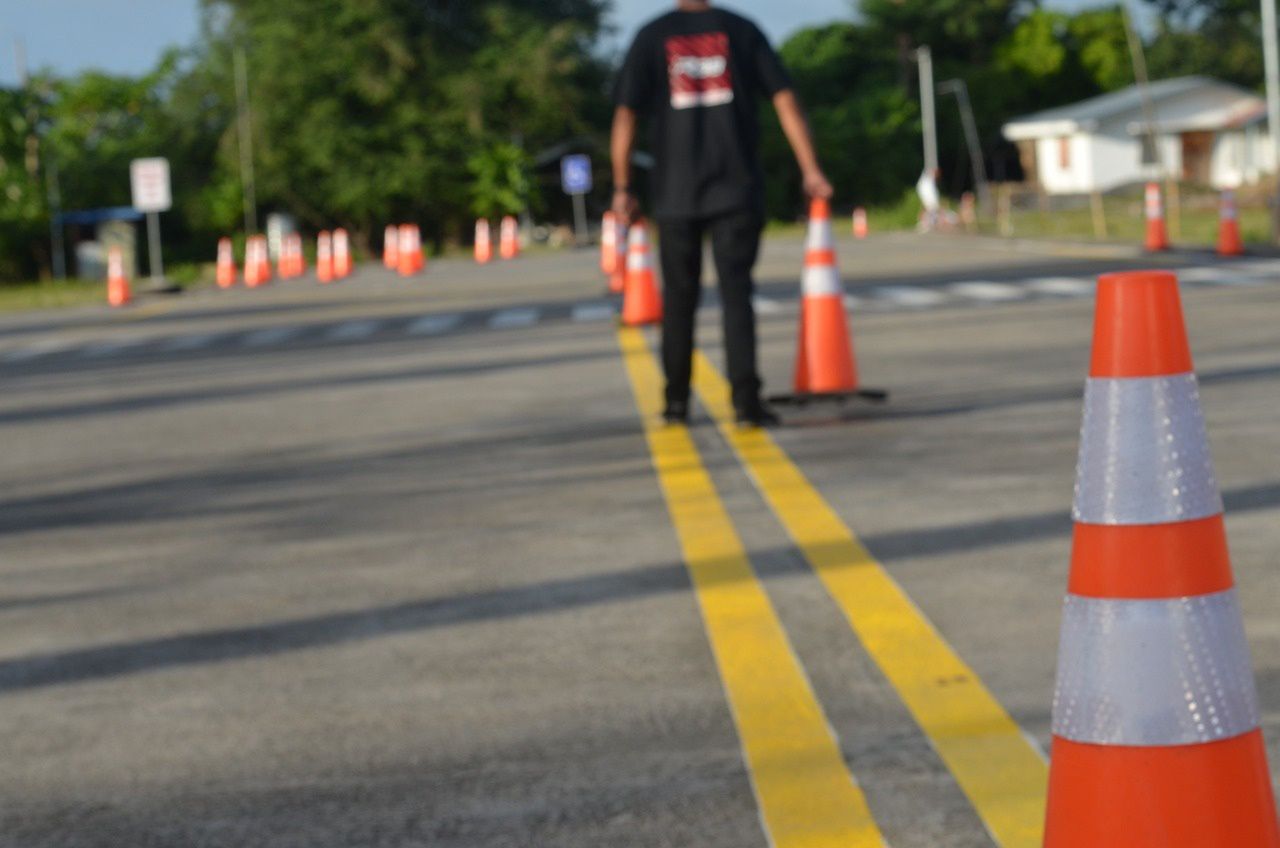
x: 102, y: 350
x: 1205, y: 274
x: 766, y: 306
x: 186, y: 343
x: 1061, y: 286
x: 988, y: 291
x: 37, y: 350
x: 909, y: 296
x: 585, y: 313
x: 432, y: 325
x: 510, y: 319
x: 353, y: 331
x: 270, y: 336
x: 852, y: 301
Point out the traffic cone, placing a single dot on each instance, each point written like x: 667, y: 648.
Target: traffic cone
x: 252, y: 263
x: 284, y: 262
x: 1156, y: 739
x: 410, y: 251
x: 419, y: 255
x: 609, y: 243
x: 118, y: 293
x: 226, y: 274
x: 1229, y: 242
x: 641, y: 302
x: 391, y: 248
x: 324, y: 257
x: 618, y: 276
x: 509, y: 238
x: 341, y: 254
x: 825, y: 363
x: 484, y: 242
x: 1157, y: 236
x: 860, y: 223
x: 261, y: 263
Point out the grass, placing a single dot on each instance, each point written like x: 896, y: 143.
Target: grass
x: 1126, y: 223
x: 56, y: 294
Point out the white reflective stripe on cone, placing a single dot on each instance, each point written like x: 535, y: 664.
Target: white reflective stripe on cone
x: 819, y: 236
x: 1153, y: 672
x: 1144, y: 455
x: 821, y: 281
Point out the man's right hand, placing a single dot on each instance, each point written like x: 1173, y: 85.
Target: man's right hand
x: 625, y: 206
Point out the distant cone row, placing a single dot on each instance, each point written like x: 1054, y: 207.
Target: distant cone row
x: 508, y: 240
x: 1230, y: 242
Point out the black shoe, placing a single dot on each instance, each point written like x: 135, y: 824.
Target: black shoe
x: 758, y: 414
x: 677, y: 412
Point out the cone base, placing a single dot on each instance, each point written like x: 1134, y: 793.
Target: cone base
x: 1213, y: 795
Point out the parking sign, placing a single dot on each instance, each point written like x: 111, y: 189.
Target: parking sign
x: 575, y: 174
x: 150, y: 182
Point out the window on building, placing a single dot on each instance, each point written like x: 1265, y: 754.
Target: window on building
x: 1064, y: 153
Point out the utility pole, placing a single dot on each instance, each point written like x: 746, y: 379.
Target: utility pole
x: 960, y: 89
x: 928, y: 114
x: 248, y: 186
x: 1138, y: 57
x: 1271, y: 55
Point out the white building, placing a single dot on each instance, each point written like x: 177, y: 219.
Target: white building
x: 1208, y: 132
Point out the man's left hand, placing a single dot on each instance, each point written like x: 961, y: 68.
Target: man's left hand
x: 816, y: 185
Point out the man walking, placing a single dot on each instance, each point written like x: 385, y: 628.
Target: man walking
x: 696, y: 74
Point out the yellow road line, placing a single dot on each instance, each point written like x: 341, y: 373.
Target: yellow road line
x: 807, y: 796
x: 997, y: 767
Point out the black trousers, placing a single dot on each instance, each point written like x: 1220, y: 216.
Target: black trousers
x: 735, y: 245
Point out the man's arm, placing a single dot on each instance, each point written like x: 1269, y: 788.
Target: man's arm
x: 621, y: 142
x: 796, y: 129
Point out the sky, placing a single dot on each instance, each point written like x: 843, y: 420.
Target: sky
x: 128, y: 36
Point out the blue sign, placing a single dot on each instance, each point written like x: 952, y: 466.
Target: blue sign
x: 575, y: 174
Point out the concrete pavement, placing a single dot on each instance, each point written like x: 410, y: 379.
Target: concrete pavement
x: 387, y: 563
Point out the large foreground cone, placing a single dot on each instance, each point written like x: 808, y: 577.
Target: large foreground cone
x: 324, y: 257
x: 860, y: 227
x: 118, y: 293
x: 641, y: 302
x: 484, y: 242
x: 1156, y: 739
x: 1229, y: 241
x: 391, y: 248
x: 341, y: 254
x: 509, y: 238
x: 824, y: 355
x: 226, y: 273
x: 1157, y: 235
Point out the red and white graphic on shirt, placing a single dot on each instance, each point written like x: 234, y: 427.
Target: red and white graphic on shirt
x: 699, y: 68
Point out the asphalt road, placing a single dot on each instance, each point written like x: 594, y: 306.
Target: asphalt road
x: 387, y: 563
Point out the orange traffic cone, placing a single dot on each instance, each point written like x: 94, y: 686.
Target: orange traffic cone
x: 825, y: 363
x: 391, y: 248
x: 860, y: 223
x: 284, y: 261
x: 641, y: 302
x: 1157, y: 236
x: 324, y: 257
x: 1229, y: 242
x: 509, y: 238
x: 484, y: 242
x: 410, y: 250
x: 118, y: 293
x: 226, y: 274
x: 613, y: 235
x: 341, y: 254
x: 252, y: 263
x: 1156, y: 739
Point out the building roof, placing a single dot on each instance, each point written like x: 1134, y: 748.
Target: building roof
x: 1181, y: 105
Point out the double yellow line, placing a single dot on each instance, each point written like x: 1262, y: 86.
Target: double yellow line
x: 1001, y: 772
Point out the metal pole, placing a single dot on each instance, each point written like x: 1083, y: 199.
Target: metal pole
x: 960, y: 89
x: 55, y: 218
x: 580, y: 218
x: 248, y: 185
x: 1271, y: 56
x: 153, y: 245
x: 928, y: 114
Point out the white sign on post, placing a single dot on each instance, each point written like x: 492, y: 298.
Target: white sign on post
x: 150, y: 180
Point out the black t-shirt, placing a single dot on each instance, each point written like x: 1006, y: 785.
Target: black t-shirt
x: 697, y: 76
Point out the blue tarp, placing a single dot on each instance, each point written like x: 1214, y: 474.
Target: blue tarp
x: 90, y: 217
